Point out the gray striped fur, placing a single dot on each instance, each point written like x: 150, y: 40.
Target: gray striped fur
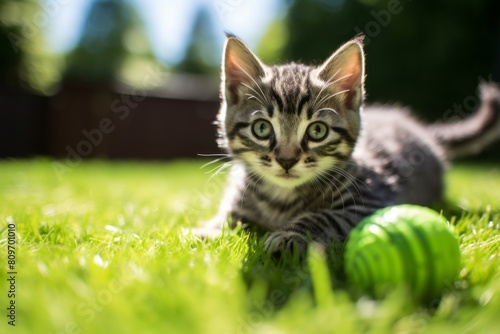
x: 302, y: 190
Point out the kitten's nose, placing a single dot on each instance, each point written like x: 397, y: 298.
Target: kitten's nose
x: 287, y: 155
x: 288, y: 163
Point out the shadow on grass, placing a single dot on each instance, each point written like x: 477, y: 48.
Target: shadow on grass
x: 273, y: 280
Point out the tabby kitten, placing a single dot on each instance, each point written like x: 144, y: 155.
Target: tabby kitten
x: 308, y: 164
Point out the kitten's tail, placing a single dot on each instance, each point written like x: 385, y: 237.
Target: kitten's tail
x: 471, y: 135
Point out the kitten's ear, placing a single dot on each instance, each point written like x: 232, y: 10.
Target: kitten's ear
x: 240, y: 67
x: 345, y: 70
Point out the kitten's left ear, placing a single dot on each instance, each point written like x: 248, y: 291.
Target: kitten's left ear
x: 345, y: 70
x: 240, y: 67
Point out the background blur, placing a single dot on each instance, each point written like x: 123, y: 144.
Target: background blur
x: 138, y: 79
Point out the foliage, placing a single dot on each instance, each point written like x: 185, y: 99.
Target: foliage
x: 201, y: 54
x: 105, y: 250
x: 426, y: 55
x: 24, y: 62
x: 112, y: 37
x: 273, y: 42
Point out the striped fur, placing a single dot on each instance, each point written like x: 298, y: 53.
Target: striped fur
x: 305, y: 167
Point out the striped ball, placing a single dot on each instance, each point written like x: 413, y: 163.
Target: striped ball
x: 402, y: 245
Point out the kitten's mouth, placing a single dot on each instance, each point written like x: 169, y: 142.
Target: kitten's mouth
x: 287, y: 180
x: 287, y: 176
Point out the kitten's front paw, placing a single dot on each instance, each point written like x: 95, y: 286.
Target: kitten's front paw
x: 287, y: 241
x: 209, y: 230
x: 206, y: 232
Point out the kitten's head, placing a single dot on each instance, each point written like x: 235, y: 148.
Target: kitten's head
x: 291, y: 123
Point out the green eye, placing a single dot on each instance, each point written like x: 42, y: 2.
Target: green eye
x: 262, y: 129
x: 317, y: 131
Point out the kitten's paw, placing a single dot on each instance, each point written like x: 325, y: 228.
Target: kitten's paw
x: 288, y: 241
x: 210, y: 229
x: 205, y: 232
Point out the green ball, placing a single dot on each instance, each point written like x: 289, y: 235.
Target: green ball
x: 402, y: 245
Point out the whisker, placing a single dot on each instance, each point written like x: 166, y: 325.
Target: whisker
x: 222, y: 157
x: 329, y: 109
x: 214, y: 155
x: 342, y: 78
x: 325, y: 85
x: 219, y: 170
x: 327, y: 180
x: 353, y: 182
x: 256, y: 84
x: 322, y: 178
x: 251, y: 176
x: 214, y: 170
x: 257, y: 112
x: 256, y: 92
x: 326, y: 98
x: 213, y: 162
x: 251, y: 96
x: 318, y: 186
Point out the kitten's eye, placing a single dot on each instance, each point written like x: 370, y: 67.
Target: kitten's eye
x: 262, y: 129
x: 317, y: 131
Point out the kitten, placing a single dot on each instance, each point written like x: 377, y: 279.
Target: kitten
x: 309, y: 162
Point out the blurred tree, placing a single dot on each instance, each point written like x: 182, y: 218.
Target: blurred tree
x: 426, y: 55
x: 272, y: 45
x: 113, y: 45
x: 24, y: 63
x: 201, y: 55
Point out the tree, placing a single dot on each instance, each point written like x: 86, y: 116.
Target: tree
x: 426, y: 55
x: 24, y: 63
x: 201, y: 55
x: 112, y: 34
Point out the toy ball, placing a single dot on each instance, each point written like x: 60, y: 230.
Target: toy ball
x: 402, y: 245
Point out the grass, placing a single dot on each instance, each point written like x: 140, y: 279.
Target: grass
x: 104, y: 249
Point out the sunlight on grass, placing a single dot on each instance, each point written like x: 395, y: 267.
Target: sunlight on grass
x: 104, y: 250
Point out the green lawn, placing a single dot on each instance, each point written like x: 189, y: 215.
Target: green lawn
x: 103, y: 249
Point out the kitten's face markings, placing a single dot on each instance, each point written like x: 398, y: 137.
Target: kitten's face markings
x: 291, y: 124
x: 290, y: 150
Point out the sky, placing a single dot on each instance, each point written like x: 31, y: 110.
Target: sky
x: 167, y: 22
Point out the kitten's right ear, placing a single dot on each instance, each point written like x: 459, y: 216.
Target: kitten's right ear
x: 240, y: 67
x: 345, y: 71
